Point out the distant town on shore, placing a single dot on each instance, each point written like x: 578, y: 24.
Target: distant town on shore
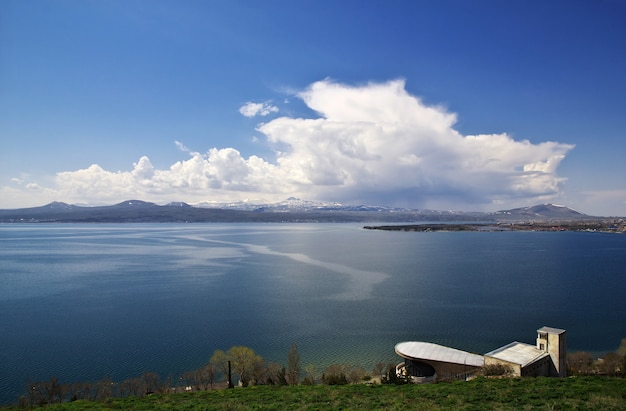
x: 605, y: 226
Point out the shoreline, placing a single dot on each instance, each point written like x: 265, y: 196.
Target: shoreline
x: 603, y: 226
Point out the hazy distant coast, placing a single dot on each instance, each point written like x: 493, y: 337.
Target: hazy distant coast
x: 294, y: 210
x: 602, y: 225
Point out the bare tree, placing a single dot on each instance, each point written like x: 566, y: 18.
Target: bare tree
x: 208, y: 375
x: 335, y: 374
x: 54, y: 390
x: 580, y: 363
x: 610, y: 364
x: 355, y: 374
x: 275, y: 374
x: 151, y: 382
x: 201, y: 378
x: 293, y: 365
x: 379, y: 370
x: 131, y: 387
x: 167, y: 385
x: 621, y: 351
x: 259, y: 372
x: 104, y: 389
x: 311, y: 376
x: 622, y: 348
x: 34, y: 394
x: 46, y: 392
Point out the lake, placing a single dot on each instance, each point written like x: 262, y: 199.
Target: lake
x: 85, y: 301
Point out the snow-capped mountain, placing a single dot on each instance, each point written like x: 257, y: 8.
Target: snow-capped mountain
x: 291, y: 204
x: 290, y: 210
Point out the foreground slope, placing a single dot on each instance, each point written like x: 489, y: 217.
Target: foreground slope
x: 580, y: 393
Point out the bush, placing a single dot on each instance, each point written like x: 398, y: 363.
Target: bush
x: 496, y: 370
x: 335, y: 375
x: 580, y: 363
x: 335, y: 379
x: 391, y: 377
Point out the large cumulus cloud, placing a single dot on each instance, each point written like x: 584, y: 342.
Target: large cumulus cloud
x: 372, y: 143
x: 377, y: 142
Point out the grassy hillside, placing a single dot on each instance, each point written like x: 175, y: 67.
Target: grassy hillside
x: 574, y: 393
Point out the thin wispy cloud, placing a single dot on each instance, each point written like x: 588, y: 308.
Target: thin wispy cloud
x: 373, y: 143
x: 257, y: 109
x: 181, y: 146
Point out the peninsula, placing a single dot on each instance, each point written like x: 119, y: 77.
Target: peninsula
x: 597, y: 225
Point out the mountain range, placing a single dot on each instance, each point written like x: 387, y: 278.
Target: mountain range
x: 289, y: 210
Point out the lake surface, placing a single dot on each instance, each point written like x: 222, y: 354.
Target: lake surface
x: 81, y: 302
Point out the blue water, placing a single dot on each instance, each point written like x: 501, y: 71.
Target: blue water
x: 82, y: 302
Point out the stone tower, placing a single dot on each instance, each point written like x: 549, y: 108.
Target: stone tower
x: 553, y: 341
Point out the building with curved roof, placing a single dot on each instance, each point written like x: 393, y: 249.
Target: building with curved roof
x: 425, y: 362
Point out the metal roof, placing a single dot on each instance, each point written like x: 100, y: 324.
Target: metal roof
x: 418, y: 350
x: 518, y: 353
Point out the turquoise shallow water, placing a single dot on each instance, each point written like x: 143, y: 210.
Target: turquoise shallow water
x: 82, y: 302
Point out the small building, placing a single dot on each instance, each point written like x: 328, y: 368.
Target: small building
x: 426, y: 362
x: 547, y: 358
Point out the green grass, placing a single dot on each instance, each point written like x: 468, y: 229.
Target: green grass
x: 574, y: 393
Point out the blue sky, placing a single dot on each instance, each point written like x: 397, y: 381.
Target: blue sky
x: 464, y: 105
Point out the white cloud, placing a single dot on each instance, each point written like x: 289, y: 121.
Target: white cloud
x: 181, y: 146
x: 377, y: 140
x: 33, y: 186
x: 373, y: 143
x: 257, y: 109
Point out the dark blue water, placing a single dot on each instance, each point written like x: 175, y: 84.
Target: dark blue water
x: 81, y: 302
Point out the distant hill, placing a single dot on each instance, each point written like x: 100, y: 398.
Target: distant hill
x: 542, y: 212
x: 290, y: 210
